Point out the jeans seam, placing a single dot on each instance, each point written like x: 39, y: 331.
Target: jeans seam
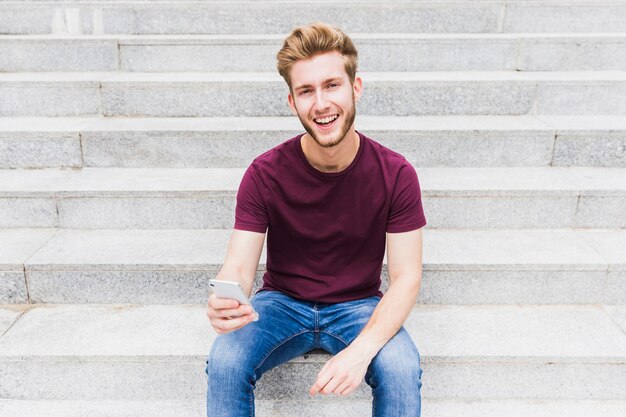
x: 336, y: 337
x: 276, y: 347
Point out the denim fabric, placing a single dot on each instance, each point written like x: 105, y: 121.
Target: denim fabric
x: 288, y: 328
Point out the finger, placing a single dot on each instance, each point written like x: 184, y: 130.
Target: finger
x: 330, y: 387
x: 342, y: 388
x: 322, y: 380
x: 229, y: 325
x: 222, y: 303
x: 233, y: 312
x: 349, y: 390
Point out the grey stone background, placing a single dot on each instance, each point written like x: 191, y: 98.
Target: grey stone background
x: 125, y: 129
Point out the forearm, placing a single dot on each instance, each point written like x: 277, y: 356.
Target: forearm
x: 389, y: 315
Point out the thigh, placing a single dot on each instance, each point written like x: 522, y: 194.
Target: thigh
x: 341, y: 323
x: 281, y: 333
x: 397, y: 364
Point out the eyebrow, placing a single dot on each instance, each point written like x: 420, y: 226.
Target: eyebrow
x: 326, y: 81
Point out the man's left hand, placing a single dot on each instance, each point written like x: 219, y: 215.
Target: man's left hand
x: 342, y: 374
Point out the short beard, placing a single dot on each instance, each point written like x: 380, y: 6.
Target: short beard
x: 342, y: 133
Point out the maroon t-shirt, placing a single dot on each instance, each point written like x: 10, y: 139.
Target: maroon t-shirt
x: 326, y: 231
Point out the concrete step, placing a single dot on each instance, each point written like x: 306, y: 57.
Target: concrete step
x: 377, y: 52
x: 426, y: 141
x: 170, y: 267
x: 132, y: 94
x: 142, y: 198
x: 328, y: 407
x: 122, y: 352
x: 249, y: 17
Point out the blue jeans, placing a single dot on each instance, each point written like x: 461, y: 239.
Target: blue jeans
x: 288, y: 328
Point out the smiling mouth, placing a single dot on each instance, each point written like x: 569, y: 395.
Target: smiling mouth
x: 326, y: 121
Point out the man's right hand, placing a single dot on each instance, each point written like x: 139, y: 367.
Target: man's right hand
x: 227, y: 315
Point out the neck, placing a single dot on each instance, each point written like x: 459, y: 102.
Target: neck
x: 334, y: 159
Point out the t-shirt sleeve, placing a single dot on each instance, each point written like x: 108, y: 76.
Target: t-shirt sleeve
x: 251, y: 212
x: 406, y: 212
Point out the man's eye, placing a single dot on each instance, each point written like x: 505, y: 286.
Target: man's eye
x: 304, y: 92
x: 332, y: 85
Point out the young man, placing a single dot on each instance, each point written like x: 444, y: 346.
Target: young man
x: 328, y: 200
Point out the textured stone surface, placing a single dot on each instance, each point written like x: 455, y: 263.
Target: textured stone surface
x: 58, y: 55
x: 151, y: 352
x: 232, y: 17
x: 611, y: 244
x: 12, y: 288
x: 429, y: 98
x: 500, y: 181
x: 19, y: 245
x: 497, y: 212
x: 119, y: 408
x: 28, y: 212
x: 170, y: 378
x: 589, y: 16
x: 541, y: 250
x: 134, y: 250
x: 118, y: 182
x: 469, y: 148
x: 107, y: 332
x: 25, y: 19
x: 600, y: 150
x: 460, y: 267
x: 512, y: 286
x: 546, y: 332
x: 16, y: 247
x: 603, y: 197
x: 596, y: 211
x: 234, y: 142
x: 177, y: 149
x: 189, y: 100
x: 45, y: 99
x: 238, y: 149
x: 618, y: 315
x: 254, y: 56
x: 424, y: 143
x: 616, y: 287
x: 33, y: 150
x: 572, y: 53
x: 376, y: 53
x: 281, y: 18
x: 326, y: 407
x: 205, y: 198
x: 134, y: 287
x: 546, y: 381
x: 597, y: 181
x: 8, y: 315
x: 264, y: 94
x: 600, y: 98
x: 148, y: 213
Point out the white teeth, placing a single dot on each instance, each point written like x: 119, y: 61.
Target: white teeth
x: 327, y: 119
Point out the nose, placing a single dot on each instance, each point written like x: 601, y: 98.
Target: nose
x: 321, y: 102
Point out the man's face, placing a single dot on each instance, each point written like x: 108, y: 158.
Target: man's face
x: 323, y: 97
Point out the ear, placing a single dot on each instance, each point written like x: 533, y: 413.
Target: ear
x: 292, y: 104
x: 358, y: 88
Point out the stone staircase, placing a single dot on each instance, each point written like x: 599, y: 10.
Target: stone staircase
x: 125, y: 128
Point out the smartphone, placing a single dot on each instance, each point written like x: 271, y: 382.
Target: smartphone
x: 229, y: 289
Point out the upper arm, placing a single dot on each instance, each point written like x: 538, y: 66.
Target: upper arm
x: 404, y: 255
x: 243, y: 255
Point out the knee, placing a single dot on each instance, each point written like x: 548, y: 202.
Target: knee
x: 397, y: 373
x: 397, y: 365
x: 227, y: 363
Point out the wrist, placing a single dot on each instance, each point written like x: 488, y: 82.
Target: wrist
x: 366, y: 346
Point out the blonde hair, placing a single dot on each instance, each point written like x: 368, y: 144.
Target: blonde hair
x: 307, y: 41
